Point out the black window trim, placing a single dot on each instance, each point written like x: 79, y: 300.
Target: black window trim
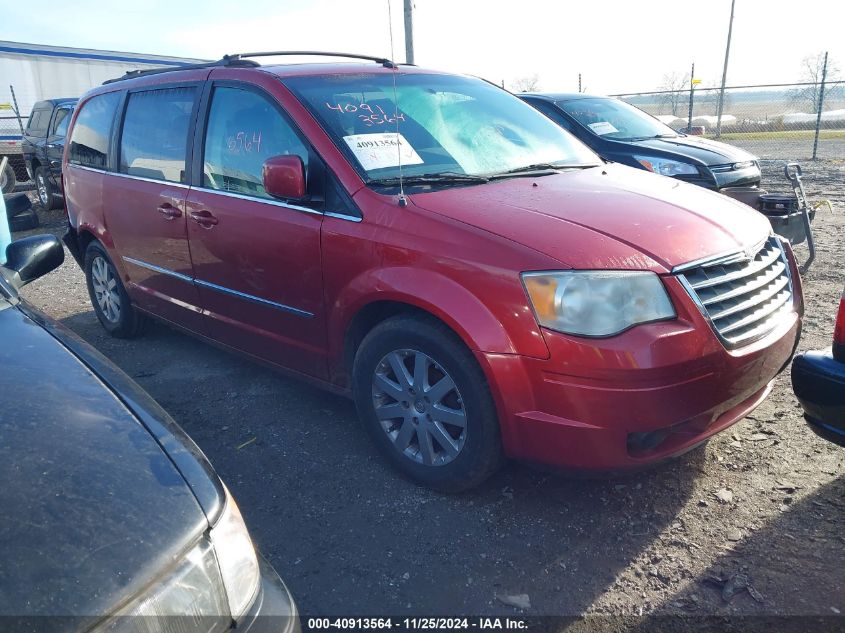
x: 317, y: 167
x: 117, y: 129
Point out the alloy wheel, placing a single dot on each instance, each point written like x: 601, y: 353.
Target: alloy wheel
x: 419, y: 407
x: 42, y: 191
x: 104, y: 283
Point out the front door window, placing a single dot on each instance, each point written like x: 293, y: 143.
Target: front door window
x: 244, y: 130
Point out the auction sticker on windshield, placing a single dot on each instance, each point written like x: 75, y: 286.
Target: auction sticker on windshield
x: 603, y: 127
x: 385, y: 149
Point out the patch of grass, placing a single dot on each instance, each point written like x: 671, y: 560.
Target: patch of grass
x: 785, y: 135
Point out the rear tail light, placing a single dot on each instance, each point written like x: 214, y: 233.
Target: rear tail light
x: 839, y: 332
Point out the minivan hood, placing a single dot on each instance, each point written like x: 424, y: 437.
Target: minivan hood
x: 699, y: 149
x: 95, y: 510
x: 611, y: 216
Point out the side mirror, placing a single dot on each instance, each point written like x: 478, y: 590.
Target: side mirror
x: 32, y: 257
x: 284, y: 177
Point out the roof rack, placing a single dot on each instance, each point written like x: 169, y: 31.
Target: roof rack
x: 238, y: 60
x: 132, y: 74
x: 379, y: 60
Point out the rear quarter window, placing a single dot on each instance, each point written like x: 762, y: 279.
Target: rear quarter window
x: 38, y: 122
x: 89, y: 140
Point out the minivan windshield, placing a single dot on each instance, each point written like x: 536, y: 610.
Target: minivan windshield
x: 615, y: 119
x: 440, y: 127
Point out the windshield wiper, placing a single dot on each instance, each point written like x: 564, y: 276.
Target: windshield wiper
x: 532, y: 170
x: 648, y: 138
x: 425, y: 179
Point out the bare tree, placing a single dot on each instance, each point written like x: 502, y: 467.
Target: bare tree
x: 707, y: 98
x: 675, y: 87
x: 811, y: 73
x: 527, y: 83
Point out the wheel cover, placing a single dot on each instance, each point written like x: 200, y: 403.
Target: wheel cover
x: 419, y: 407
x: 42, y: 189
x: 104, y: 283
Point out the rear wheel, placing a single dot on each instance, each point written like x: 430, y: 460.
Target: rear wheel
x: 108, y: 296
x: 425, y: 401
x: 46, y: 195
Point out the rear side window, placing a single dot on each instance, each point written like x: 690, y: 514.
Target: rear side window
x: 38, y: 122
x: 89, y: 141
x: 244, y: 130
x: 60, y: 122
x: 154, y: 140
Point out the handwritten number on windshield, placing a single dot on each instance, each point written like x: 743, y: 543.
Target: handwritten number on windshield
x: 371, y: 115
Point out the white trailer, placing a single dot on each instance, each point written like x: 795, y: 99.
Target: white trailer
x: 33, y: 72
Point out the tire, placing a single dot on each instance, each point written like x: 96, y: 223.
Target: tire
x: 8, y: 181
x: 429, y: 413
x: 23, y: 221
x: 116, y: 313
x: 45, y: 190
x: 16, y: 204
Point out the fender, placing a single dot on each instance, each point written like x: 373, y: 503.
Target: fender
x: 83, y: 195
x: 445, y: 299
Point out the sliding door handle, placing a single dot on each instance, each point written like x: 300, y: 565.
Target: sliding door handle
x: 203, y: 218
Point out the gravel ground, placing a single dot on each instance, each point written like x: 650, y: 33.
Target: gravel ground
x: 763, y: 502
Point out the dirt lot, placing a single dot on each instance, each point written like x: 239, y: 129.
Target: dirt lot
x: 351, y: 537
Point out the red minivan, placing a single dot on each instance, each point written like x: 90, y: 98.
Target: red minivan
x: 479, y: 281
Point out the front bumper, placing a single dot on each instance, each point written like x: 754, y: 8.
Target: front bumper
x: 273, y: 610
x: 719, y: 180
x: 745, y: 177
x: 651, y: 393
x: 818, y: 381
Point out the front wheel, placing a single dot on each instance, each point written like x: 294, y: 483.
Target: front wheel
x: 425, y: 401
x: 108, y: 296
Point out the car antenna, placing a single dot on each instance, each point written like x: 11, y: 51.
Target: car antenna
x: 403, y: 201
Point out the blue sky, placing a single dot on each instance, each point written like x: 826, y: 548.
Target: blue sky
x: 617, y: 45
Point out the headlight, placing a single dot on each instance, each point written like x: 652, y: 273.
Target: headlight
x: 597, y: 303
x: 236, y: 557
x: 215, y: 582
x: 666, y: 167
x: 192, y: 593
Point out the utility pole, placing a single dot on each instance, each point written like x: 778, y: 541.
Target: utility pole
x: 579, y: 82
x: 725, y: 73
x: 691, y: 89
x: 409, y: 31
x: 819, y: 108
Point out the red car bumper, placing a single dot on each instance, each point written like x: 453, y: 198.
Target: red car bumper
x: 651, y: 393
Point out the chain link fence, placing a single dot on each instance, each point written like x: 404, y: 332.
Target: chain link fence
x: 13, y: 118
x: 774, y: 122
x: 12, y: 104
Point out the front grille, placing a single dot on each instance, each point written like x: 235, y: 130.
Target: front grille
x: 743, y: 299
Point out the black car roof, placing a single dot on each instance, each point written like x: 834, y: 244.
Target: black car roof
x: 55, y: 102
